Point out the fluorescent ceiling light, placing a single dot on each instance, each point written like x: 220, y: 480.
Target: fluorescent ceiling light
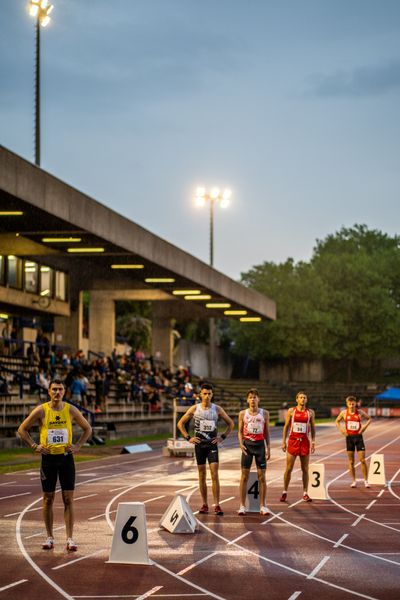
x: 159, y: 280
x: 186, y: 292
x: 218, y: 305
x: 127, y: 266
x: 76, y: 250
x: 55, y: 240
x: 250, y: 319
x: 199, y: 297
x: 235, y: 312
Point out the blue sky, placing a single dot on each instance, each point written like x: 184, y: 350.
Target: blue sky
x: 293, y: 104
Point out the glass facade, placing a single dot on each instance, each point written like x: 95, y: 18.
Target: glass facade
x: 61, y: 285
x: 14, y: 271
x: 46, y: 281
x: 31, y: 271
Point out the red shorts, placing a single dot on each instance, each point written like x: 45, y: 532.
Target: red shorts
x: 298, y: 446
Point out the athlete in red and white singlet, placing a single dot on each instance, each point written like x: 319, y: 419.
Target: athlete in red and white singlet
x: 353, y: 429
x: 253, y: 434
x: 300, y: 424
x: 254, y: 426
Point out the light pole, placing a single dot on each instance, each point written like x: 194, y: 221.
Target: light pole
x: 214, y: 196
x: 40, y: 10
x: 222, y: 198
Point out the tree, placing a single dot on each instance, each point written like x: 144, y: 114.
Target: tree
x: 344, y: 303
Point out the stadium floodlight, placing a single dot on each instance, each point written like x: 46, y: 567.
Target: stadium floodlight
x: 40, y: 10
x: 222, y: 197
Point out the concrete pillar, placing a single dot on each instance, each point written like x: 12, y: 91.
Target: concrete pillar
x: 101, y: 322
x: 162, y: 341
x: 68, y: 330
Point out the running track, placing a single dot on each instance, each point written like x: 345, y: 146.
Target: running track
x: 345, y: 547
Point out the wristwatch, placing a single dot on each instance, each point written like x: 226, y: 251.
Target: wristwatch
x: 223, y: 435
x: 187, y: 438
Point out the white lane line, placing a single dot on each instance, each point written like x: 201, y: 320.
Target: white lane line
x: 71, y: 562
x: 28, y: 537
x: 382, y: 491
x: 19, y: 512
x: 344, y: 536
x: 345, y: 472
x: 356, y: 522
x: 150, y: 592
x: 370, y: 504
x: 240, y: 537
x: 30, y: 560
x: 119, y: 488
x: 153, y: 499
x: 190, y: 567
x: 111, y: 526
x: 187, y: 582
x: 16, y: 495
x: 318, y: 567
x: 295, y: 503
x: 291, y: 569
x: 294, y: 596
x: 271, y: 518
x: 10, y: 585
x: 101, y: 515
x: 9, y: 483
x: 84, y: 497
x: 390, y: 485
x: 113, y: 511
x: 186, y: 488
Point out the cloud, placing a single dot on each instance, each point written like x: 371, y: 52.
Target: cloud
x: 368, y: 80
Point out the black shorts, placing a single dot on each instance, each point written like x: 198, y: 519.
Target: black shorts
x: 355, y: 442
x: 57, y: 465
x: 204, y: 451
x: 256, y: 449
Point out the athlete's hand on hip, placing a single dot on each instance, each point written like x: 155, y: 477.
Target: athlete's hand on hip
x: 41, y: 449
x: 194, y: 440
x: 217, y: 440
x: 73, y: 448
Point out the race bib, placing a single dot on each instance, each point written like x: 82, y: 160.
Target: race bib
x: 300, y: 427
x: 57, y: 436
x: 207, y: 426
x: 255, y: 428
x: 353, y: 425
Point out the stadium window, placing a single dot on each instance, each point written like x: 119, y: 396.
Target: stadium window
x: 31, y: 273
x: 61, y: 285
x: 46, y: 281
x: 14, y: 271
x: 2, y: 280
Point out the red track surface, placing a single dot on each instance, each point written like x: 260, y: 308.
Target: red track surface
x: 323, y: 549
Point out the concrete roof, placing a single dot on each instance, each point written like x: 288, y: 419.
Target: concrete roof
x: 52, y: 207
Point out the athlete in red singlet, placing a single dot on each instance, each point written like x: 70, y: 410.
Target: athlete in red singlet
x: 300, y: 423
x: 353, y: 417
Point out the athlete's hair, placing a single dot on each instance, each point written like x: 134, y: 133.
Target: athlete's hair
x: 57, y: 381
x: 207, y: 386
x: 301, y: 393
x: 252, y: 392
x: 351, y: 399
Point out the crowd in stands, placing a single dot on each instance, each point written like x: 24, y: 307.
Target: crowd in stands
x: 133, y: 377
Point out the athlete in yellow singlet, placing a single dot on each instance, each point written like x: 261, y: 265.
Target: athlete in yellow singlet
x: 57, y: 449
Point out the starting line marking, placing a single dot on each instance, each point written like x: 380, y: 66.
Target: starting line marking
x: 10, y: 585
x: 344, y: 536
x: 370, y: 504
x: 318, y: 567
x: 150, y: 592
x: 295, y: 595
x: 356, y: 522
x: 71, y: 562
x: 190, y: 567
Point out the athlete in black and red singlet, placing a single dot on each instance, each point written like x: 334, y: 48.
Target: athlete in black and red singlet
x: 254, y: 441
x: 353, y: 430
x: 300, y: 424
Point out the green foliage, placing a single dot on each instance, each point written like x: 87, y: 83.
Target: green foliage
x: 344, y: 303
x: 133, y: 321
